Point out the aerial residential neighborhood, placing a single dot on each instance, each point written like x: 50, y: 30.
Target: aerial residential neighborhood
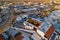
x: 29, y: 19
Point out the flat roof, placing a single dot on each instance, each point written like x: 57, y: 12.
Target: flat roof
x: 44, y: 27
x: 34, y: 22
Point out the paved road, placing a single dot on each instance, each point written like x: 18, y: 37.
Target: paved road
x: 7, y: 25
x: 2, y: 28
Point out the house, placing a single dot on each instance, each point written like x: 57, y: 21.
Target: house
x: 43, y: 29
x: 46, y: 30
x: 31, y: 23
x: 1, y: 37
x: 18, y: 36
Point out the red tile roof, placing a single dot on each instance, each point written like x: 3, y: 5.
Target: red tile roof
x: 49, y: 32
x: 1, y: 37
x: 19, y: 37
x: 34, y: 22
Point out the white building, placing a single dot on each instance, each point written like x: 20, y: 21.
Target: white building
x: 31, y: 24
x: 43, y: 29
x: 46, y: 30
